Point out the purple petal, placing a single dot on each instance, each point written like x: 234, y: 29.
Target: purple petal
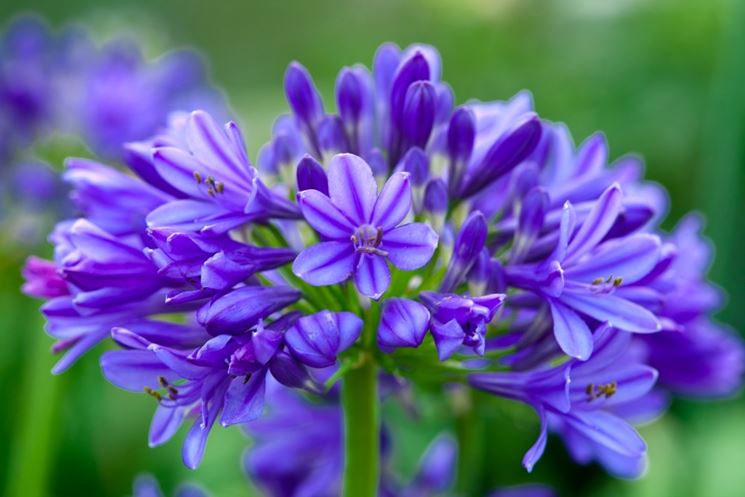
x: 352, y: 187
x: 179, y: 364
x: 210, y: 144
x: 82, y: 346
x: 596, y: 225
x: 372, y: 275
x: 311, y: 176
x: 302, y: 94
x: 241, y: 308
x: 415, y: 68
x: 592, y: 155
x: 291, y: 373
x: 632, y: 382
x: 166, y: 422
x: 134, y: 370
x: 349, y: 95
x: 394, y: 202
x: 571, y: 332
x: 196, y: 215
x: 177, y: 168
x: 410, y: 246
x: 566, y: 229
x: 350, y: 328
x: 317, y: 339
x: 619, y: 313
x: 323, y: 215
x: 448, y: 338
x: 418, y: 113
x: 403, y: 323
x: 535, y: 452
x: 609, y: 431
x: 244, y: 400
x: 194, y: 444
x: 630, y: 258
x: 325, y: 263
x: 529, y: 226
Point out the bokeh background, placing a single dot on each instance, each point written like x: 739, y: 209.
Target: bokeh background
x: 664, y: 78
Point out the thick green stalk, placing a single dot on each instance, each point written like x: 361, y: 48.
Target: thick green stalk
x: 361, y: 431
x: 359, y: 396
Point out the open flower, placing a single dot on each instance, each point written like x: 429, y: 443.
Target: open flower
x: 360, y: 229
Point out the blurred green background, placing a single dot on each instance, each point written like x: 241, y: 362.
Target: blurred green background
x: 664, y: 78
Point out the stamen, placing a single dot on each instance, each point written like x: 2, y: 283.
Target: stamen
x: 152, y: 393
x: 617, y: 281
x: 198, y: 177
x: 163, y: 382
x: 606, y: 390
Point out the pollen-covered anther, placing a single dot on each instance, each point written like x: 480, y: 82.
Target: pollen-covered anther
x: 606, y: 390
x: 153, y: 393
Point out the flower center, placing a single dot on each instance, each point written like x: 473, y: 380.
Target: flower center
x: 473, y: 330
x: 367, y: 238
x: 213, y: 187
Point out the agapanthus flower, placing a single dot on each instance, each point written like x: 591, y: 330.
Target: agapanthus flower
x: 586, y: 403
x: 361, y: 229
x: 538, y: 270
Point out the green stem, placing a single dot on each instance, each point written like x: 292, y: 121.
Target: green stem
x: 470, y: 446
x: 362, y: 431
x: 359, y: 396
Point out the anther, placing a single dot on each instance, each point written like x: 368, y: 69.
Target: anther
x: 163, y: 382
x: 378, y: 236
x: 152, y: 393
x: 617, y: 281
x: 597, y: 281
x: 220, y: 187
x: 198, y: 177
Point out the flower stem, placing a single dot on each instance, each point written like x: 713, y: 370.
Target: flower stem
x: 361, y: 430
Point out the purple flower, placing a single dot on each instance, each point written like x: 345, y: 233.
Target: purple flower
x: 317, y: 340
x: 468, y: 246
x: 42, y: 280
x: 223, y: 378
x: 210, y: 169
x: 361, y: 229
x: 124, y: 98
x: 112, y: 200
x: 243, y: 307
x: 460, y: 321
x: 208, y: 265
x: 403, y: 323
x: 298, y: 449
x: 583, y: 272
x: 586, y: 403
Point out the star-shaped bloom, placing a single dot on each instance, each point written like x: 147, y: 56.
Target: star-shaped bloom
x: 360, y: 229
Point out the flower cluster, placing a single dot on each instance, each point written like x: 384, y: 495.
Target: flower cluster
x: 60, y: 84
x: 425, y: 242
